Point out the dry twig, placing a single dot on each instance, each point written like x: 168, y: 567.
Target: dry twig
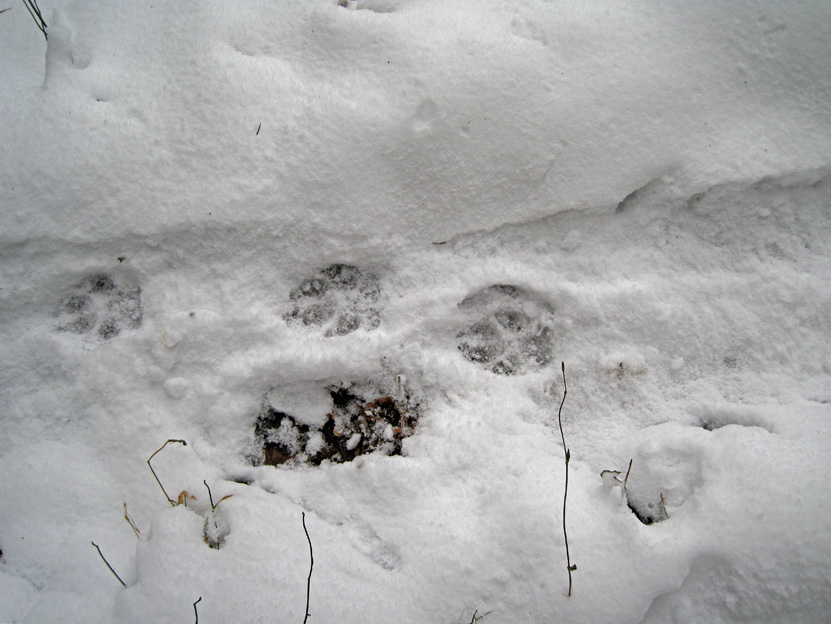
x: 108, y: 564
x: 34, y: 11
x: 311, y: 567
x: 571, y: 568
x: 625, y: 481
x: 130, y: 521
x: 183, y: 443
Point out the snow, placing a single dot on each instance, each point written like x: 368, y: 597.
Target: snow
x: 214, y: 208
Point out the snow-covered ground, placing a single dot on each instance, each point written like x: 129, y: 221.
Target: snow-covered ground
x: 300, y: 231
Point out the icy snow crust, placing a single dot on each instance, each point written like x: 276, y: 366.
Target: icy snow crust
x: 640, y: 190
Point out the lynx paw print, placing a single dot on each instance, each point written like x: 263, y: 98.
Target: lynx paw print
x: 338, y: 300
x: 509, y: 332
x: 100, y: 307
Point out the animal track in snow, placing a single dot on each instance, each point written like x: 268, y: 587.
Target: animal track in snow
x: 713, y: 418
x: 509, y: 332
x: 374, y: 6
x: 339, y: 300
x: 310, y: 423
x: 100, y: 306
x: 662, y: 476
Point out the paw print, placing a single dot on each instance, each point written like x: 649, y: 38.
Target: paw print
x: 509, y: 332
x: 101, y: 307
x: 339, y: 300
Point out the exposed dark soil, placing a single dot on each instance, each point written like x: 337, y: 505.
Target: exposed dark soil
x: 356, y: 425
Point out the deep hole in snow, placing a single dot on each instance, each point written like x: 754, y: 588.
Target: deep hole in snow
x: 648, y: 511
x: 356, y: 424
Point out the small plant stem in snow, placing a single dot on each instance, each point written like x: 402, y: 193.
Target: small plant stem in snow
x: 34, y: 11
x: 130, y: 521
x: 108, y: 564
x: 211, y: 498
x: 626, y: 480
x: 195, y: 610
x: 183, y: 443
x: 571, y: 568
x: 311, y: 567
x: 475, y: 619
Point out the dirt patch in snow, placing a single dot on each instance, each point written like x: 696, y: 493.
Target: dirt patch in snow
x: 346, y: 420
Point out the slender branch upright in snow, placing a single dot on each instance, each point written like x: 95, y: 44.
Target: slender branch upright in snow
x: 311, y: 567
x: 34, y: 11
x: 130, y: 521
x: 183, y: 443
x: 626, y: 481
x: 571, y: 568
x: 108, y: 564
x: 195, y: 610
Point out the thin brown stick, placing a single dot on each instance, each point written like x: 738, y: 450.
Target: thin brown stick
x: 571, y: 568
x: 195, y: 611
x: 130, y: 521
x: 108, y: 564
x: 626, y: 480
x: 183, y: 443
x: 311, y: 567
x: 473, y: 619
